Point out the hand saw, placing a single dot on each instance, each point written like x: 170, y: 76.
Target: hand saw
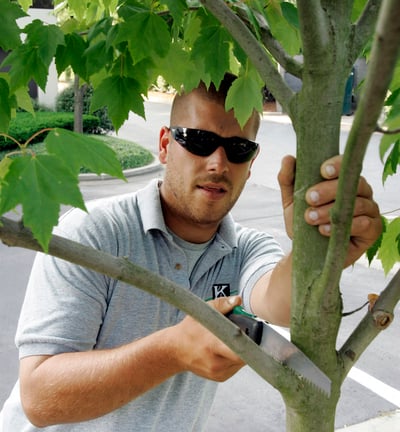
x: 279, y: 348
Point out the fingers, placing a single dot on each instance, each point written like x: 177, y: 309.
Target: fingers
x: 286, y: 180
x: 325, y: 192
x: 330, y: 168
x: 201, y: 352
x: 225, y: 304
x: 366, y: 225
x: 286, y: 183
x: 320, y: 215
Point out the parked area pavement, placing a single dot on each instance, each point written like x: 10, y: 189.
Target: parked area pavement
x: 370, y: 399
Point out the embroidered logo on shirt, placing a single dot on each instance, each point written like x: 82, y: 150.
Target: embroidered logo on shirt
x: 221, y: 290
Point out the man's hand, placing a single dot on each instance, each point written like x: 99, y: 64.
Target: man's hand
x: 201, y: 352
x: 366, y: 226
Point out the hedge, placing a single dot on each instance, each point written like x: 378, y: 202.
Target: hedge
x: 66, y: 100
x: 24, y: 125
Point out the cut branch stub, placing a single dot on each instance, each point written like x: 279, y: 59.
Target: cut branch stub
x: 382, y: 318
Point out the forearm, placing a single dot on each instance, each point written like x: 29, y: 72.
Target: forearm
x: 73, y: 387
x: 271, y: 296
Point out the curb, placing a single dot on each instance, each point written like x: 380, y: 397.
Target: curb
x: 388, y: 422
x: 152, y: 167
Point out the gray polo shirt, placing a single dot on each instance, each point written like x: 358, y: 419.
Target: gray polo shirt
x: 68, y: 308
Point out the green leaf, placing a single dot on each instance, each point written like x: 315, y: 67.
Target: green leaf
x: 44, y: 39
x: 389, y: 252
x: 289, y: 11
x: 4, y: 168
x: 215, y: 60
x: 358, y: 7
x: 102, y: 26
x: 24, y: 100
x: 78, y: 7
x: 71, y: 54
x: 146, y: 33
x: 244, y: 96
x: 177, y: 8
x: 120, y: 95
x: 392, y: 161
x: 5, y: 108
x: 10, y: 32
x: 32, y: 60
x: 374, y: 249
x: 97, y: 56
x: 386, y: 142
x: 78, y: 150
x: 25, y: 64
x: 171, y: 67
x: 40, y: 184
x: 286, y: 33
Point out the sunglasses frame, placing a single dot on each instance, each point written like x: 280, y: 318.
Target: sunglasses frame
x: 204, y: 143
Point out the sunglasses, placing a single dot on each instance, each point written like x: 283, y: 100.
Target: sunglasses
x: 204, y: 143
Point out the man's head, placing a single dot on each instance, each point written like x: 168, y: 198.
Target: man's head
x: 208, y: 157
x: 210, y: 94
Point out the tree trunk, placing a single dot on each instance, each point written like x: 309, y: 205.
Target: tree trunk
x: 316, y: 302
x: 78, y: 105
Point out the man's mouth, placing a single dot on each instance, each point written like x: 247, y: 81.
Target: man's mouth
x: 213, y: 190
x: 218, y: 189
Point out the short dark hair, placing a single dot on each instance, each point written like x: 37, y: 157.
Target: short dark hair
x: 212, y: 93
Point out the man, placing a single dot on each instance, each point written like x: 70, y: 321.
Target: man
x: 98, y: 355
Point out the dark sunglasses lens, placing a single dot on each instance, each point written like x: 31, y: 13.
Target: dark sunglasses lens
x: 204, y: 143
x: 196, y: 141
x: 239, y: 151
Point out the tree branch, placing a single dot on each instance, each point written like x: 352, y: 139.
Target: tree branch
x: 271, y: 44
x: 383, y: 61
x: 364, y: 27
x: 387, y: 131
x: 254, y: 49
x: 15, y: 234
x: 281, y: 56
x: 376, y: 320
x: 314, y: 29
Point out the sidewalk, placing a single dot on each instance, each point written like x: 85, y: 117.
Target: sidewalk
x: 386, y: 423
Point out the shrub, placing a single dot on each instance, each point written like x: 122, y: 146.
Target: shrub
x: 24, y: 125
x: 65, y: 103
x: 129, y: 154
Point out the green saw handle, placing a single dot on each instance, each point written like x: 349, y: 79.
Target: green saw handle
x: 248, y: 323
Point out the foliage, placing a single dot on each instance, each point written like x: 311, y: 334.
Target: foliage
x: 129, y: 154
x: 51, y: 178
x: 65, y: 103
x: 24, y: 125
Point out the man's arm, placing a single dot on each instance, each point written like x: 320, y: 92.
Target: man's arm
x: 80, y: 386
x: 271, y: 295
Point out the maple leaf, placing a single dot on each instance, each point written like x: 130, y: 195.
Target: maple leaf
x: 120, y: 94
x: 77, y: 150
x: 10, y: 32
x: 50, y: 183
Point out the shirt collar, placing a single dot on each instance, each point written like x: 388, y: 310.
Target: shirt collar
x: 152, y: 215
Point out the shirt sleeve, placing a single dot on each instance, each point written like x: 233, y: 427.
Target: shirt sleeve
x: 260, y: 253
x: 65, y: 303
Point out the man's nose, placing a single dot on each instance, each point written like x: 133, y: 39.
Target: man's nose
x: 218, y: 161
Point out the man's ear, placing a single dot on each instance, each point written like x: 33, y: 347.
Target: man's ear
x: 163, y: 142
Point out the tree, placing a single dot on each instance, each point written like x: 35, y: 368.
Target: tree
x: 99, y: 41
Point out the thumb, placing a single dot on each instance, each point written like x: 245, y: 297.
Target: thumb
x: 225, y: 304
x: 286, y: 180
